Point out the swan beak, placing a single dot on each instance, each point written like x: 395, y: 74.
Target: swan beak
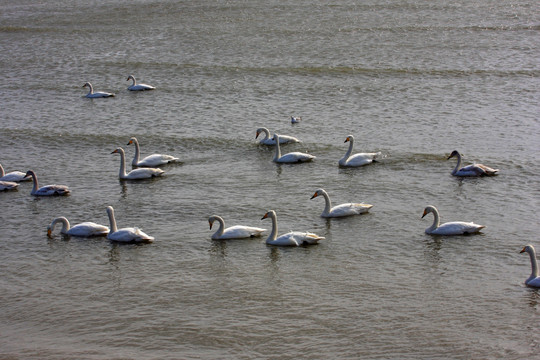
x: 522, y: 250
x: 314, y: 196
x: 265, y: 216
x: 130, y: 141
x: 257, y: 135
x: 115, y: 151
x: 425, y: 213
x: 347, y: 139
x: 210, y: 223
x: 49, y: 233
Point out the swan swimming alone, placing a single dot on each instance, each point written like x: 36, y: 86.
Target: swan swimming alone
x: 449, y: 228
x: 47, y: 190
x: 341, y: 210
x: 267, y: 140
x: 85, y: 229
x: 135, y: 174
x: 8, y: 185
x: 471, y: 170
x: 98, y: 94
x: 138, y: 87
x: 292, y: 157
x: 233, y: 232
x: 359, y: 159
x: 126, y: 235
x: 13, y: 176
x: 293, y: 238
x: 534, y: 279
x: 153, y: 160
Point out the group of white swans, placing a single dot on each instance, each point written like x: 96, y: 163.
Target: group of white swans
x: 102, y: 94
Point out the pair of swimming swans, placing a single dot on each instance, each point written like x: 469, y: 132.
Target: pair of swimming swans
x: 102, y: 94
x: 267, y: 140
x: 47, y: 190
x: 471, y: 170
x: 346, y: 209
x: 449, y: 228
x: 233, y: 232
x: 534, y: 279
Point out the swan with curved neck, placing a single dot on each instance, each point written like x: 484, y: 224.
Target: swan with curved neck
x: 292, y: 157
x: 138, y: 87
x: 293, y: 238
x: 358, y: 159
x: 8, y: 185
x: 47, y: 190
x: 85, y: 229
x: 97, y: 94
x: 534, y: 279
x: 13, y: 176
x: 135, y: 174
x: 153, y: 160
x: 471, y: 170
x: 341, y: 210
x: 449, y: 228
x: 267, y: 140
x: 130, y: 235
x: 233, y: 232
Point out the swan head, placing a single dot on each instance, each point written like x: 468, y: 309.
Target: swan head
x: 118, y: 151
x: 276, y: 137
x: 132, y: 140
x: 29, y: 173
x: 49, y: 232
x: 349, y: 138
x: 317, y: 193
x: 429, y: 209
x: 528, y: 248
x: 87, y: 84
x: 130, y: 77
x: 211, y: 221
x: 268, y: 214
x: 454, y: 153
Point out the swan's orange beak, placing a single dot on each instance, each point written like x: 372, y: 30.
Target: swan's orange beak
x: 130, y: 141
x: 265, y: 216
x: 314, y: 196
x: 257, y: 135
x: 425, y: 213
x: 210, y: 223
x: 49, y: 232
x: 522, y: 250
x: 115, y: 151
x: 347, y: 139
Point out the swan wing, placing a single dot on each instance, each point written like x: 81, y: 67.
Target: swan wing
x: 241, y: 232
x: 8, y: 185
x: 296, y: 238
x: 360, y: 159
x: 144, y: 173
x: 99, y: 94
x: 50, y: 190
x: 534, y: 282
x: 141, y: 87
x: 86, y: 229
x: 348, y: 209
x: 457, y: 228
x: 295, y: 157
x: 476, y: 170
x: 156, y: 160
x: 283, y: 139
x: 129, y: 235
x: 15, y: 176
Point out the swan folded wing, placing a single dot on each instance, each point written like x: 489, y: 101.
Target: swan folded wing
x: 144, y: 173
x: 457, y: 228
x: 360, y: 159
x: 476, y: 170
x: 52, y: 190
x: 86, y: 229
x: 141, y: 87
x: 156, y: 160
x: 99, y: 94
x: 295, y: 157
x: 8, y: 185
x: 296, y: 238
x: 15, y: 176
x: 241, y: 232
x: 130, y: 235
x: 349, y: 209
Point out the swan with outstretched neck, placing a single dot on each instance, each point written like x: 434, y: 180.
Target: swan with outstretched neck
x: 449, y: 228
x: 293, y: 238
x: 346, y: 209
x: 97, y: 94
x: 471, y: 170
x: 233, y: 232
x: 267, y: 140
x: 292, y: 157
x: 13, y: 176
x: 359, y: 159
x: 135, y: 174
x: 129, y: 235
x: 534, y: 279
x: 138, y: 87
x: 85, y: 229
x: 153, y: 160
x: 47, y: 190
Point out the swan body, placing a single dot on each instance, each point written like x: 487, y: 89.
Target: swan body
x: 292, y: 157
x: 8, y: 185
x: 13, y: 176
x: 471, y: 170
x: 85, y: 229
x: 233, y: 232
x: 138, y: 87
x: 359, y: 159
x: 129, y: 235
x: 135, y: 174
x: 267, y: 140
x: 293, y: 238
x: 47, y: 190
x: 295, y: 119
x: 341, y: 210
x: 153, y: 160
x: 534, y: 279
x: 97, y: 94
x: 449, y: 228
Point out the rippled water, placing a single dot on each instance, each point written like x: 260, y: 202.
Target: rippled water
x: 414, y: 80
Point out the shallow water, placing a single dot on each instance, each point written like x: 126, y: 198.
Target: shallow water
x: 413, y: 80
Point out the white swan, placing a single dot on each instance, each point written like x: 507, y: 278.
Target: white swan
x: 130, y: 235
x: 358, y: 159
x: 471, y: 170
x: 292, y: 157
x: 85, y: 229
x: 46, y: 190
x: 138, y: 87
x: 98, y: 94
x: 13, y: 176
x: 449, y: 228
x: 153, y: 160
x: 534, y: 279
x: 341, y: 210
x: 233, y: 232
x: 267, y: 140
x: 295, y: 119
x: 135, y: 174
x: 293, y: 238
x: 8, y: 185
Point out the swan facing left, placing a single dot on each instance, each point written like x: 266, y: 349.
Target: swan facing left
x: 98, y: 94
x: 471, y: 170
x: 138, y: 87
x: 153, y: 160
x: 47, y: 190
x: 292, y: 157
x: 358, y: 159
x: 125, y: 235
x: 341, y: 210
x: 233, y: 232
x: 85, y: 229
x: 293, y: 238
x: 135, y: 174
x: 267, y: 140
x: 534, y: 279
x: 449, y: 228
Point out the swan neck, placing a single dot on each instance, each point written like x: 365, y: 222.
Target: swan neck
x: 220, y: 230
x: 266, y: 133
x: 2, y: 173
x: 273, y: 233
x: 134, y: 81
x: 90, y: 89
x: 349, y: 151
x: 458, y: 164
x: 278, y: 150
x: 65, y: 224
x: 122, y: 172
x: 112, y: 220
x: 35, y: 183
x: 328, y: 203
x: 534, y: 264
x: 137, y: 154
x: 436, y: 219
